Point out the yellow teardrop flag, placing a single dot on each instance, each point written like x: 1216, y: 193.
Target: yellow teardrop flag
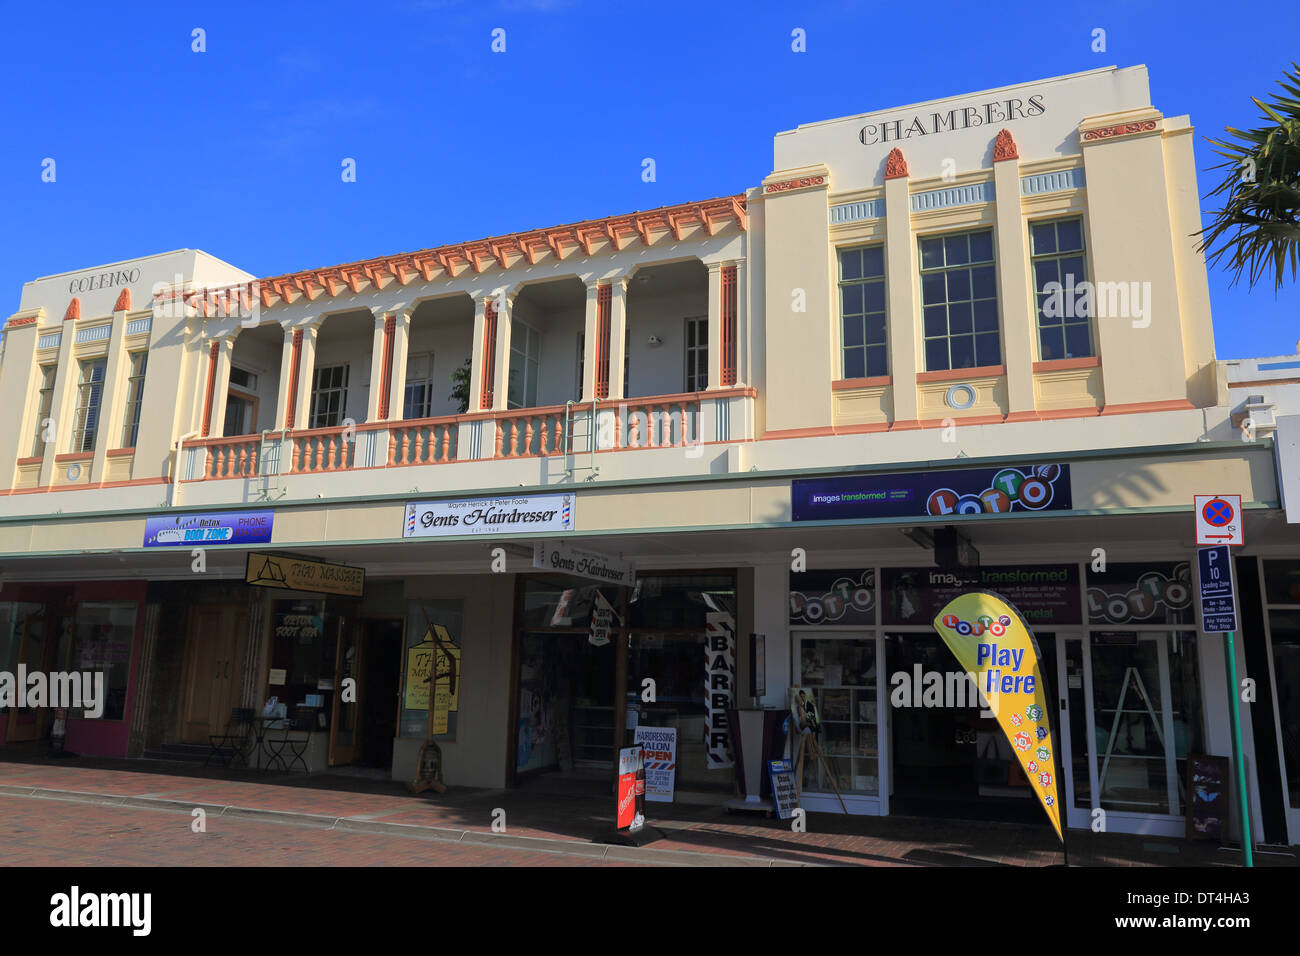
x: 992, y: 641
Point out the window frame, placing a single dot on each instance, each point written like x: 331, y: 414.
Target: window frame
x: 426, y: 383
x: 44, y: 405
x: 700, y: 349
x: 862, y: 282
x: 135, y: 381
x: 529, y: 356
x: 90, y: 404
x: 1062, y: 321
x: 946, y: 270
x: 318, y: 392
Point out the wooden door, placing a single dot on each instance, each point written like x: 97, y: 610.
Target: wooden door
x: 345, y: 727
x: 28, y: 723
x: 214, y: 656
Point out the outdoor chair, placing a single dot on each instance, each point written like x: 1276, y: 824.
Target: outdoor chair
x: 290, y: 748
x: 233, y: 744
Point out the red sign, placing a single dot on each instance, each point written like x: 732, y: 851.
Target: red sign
x: 631, y: 788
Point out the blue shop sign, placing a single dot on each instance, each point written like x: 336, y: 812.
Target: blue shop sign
x: 969, y: 491
x: 228, y: 527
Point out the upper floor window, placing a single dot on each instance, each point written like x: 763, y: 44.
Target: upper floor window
x: 1064, y: 329
x: 90, y: 393
x: 44, y: 402
x: 134, y: 398
x: 525, y: 353
x: 862, y: 312
x: 329, y: 396
x: 697, y: 353
x: 959, y: 301
x: 417, y: 402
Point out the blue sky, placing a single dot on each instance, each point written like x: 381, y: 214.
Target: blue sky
x: 237, y: 150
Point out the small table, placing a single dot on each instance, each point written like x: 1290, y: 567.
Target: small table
x: 262, y: 725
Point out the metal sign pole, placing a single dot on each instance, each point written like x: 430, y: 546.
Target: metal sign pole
x: 1234, y: 706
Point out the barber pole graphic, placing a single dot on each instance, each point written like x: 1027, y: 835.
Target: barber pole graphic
x: 719, y: 681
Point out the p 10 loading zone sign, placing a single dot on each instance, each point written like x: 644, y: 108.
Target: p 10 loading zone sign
x: 991, y: 640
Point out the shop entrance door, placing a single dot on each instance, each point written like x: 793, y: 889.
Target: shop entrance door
x: 566, y: 713
x: 35, y: 648
x: 345, y: 719
x: 947, y: 758
x: 214, y: 655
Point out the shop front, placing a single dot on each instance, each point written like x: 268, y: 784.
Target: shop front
x: 904, y: 732
x: 85, y: 628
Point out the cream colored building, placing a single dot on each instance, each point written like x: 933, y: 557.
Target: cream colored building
x: 874, y: 322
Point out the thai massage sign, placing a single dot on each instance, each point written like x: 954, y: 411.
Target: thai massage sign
x: 936, y: 494
x: 719, y: 681
x: 991, y: 641
x: 527, y: 514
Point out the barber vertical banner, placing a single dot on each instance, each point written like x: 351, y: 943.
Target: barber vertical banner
x: 991, y: 640
x: 719, y: 681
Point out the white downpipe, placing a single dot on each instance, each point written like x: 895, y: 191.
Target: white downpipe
x: 176, y: 466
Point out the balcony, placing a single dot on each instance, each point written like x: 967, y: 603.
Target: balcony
x: 687, y: 421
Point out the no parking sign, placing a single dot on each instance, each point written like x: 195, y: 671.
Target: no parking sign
x: 1218, y: 520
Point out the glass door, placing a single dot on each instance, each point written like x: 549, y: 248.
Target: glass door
x: 840, y: 672
x: 344, y: 725
x: 32, y: 632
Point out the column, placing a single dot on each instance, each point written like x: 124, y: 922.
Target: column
x: 112, y: 407
x: 900, y: 266
x: 307, y: 366
x: 19, y: 379
x: 589, y: 358
x: 63, y: 405
x: 504, y: 303
x: 617, y: 334
x: 288, y: 379
x: 225, y: 350
x: 1018, y: 333
x: 482, y: 354
x: 397, y: 371
x: 742, y: 326
x: 715, y: 325
x: 380, y: 344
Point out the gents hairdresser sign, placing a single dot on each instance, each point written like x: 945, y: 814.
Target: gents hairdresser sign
x: 231, y: 527
x: 558, y: 556
x: 529, y: 514
x: 970, y: 491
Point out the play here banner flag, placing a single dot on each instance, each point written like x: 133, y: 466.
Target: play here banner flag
x: 992, y: 641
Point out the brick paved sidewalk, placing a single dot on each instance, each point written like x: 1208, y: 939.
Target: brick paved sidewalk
x: 691, y: 833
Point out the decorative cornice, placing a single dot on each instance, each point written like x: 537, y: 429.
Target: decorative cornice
x: 1004, y: 147
x: 123, y: 303
x: 14, y: 323
x: 614, y: 233
x: 789, y: 184
x: 895, y: 165
x: 1120, y: 129
x: 74, y: 310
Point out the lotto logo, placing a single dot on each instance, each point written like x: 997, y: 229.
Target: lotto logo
x: 1043, y: 753
x: 1041, y: 732
x: 1015, y: 720
x: 1010, y: 487
x: 1022, y: 741
x: 1032, y: 767
x: 1048, y: 800
x: 1045, y: 779
x: 1034, y: 712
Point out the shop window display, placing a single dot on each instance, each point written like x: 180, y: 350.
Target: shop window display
x: 841, y: 675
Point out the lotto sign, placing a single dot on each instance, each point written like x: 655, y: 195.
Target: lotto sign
x: 660, y: 745
x: 990, y: 639
x: 719, y: 679
x: 1218, y: 519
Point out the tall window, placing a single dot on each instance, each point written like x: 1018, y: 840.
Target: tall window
x: 134, y: 398
x: 329, y: 396
x: 959, y: 298
x: 1057, y: 250
x: 241, y: 403
x: 417, y: 401
x: 525, y: 350
x: 862, y: 311
x: 697, y: 354
x: 44, y: 402
x: 90, y: 393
